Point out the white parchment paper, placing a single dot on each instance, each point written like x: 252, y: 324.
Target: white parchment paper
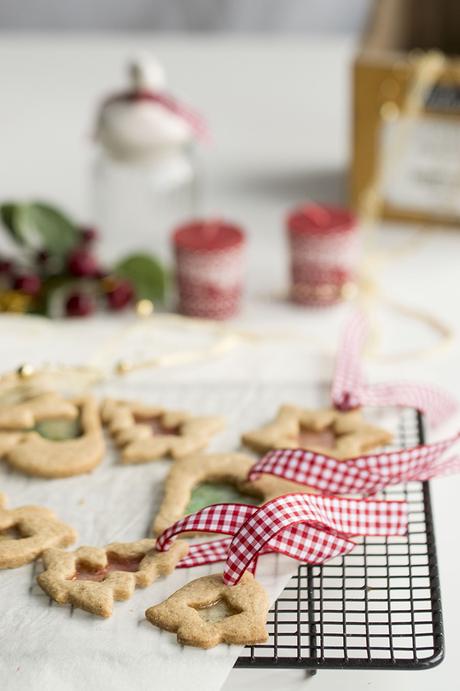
x: 44, y: 646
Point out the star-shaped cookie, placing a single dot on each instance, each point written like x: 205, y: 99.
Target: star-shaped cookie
x: 92, y: 578
x: 335, y: 433
x: 27, y: 531
x: 145, y: 433
x: 206, y: 612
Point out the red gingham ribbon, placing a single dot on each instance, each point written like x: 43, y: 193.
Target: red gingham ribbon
x: 348, y: 383
x: 309, y: 528
x: 205, y: 553
x: 349, y: 389
x: 364, y: 474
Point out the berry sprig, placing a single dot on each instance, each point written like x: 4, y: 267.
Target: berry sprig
x: 57, y: 272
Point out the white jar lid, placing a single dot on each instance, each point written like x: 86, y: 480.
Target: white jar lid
x: 140, y: 123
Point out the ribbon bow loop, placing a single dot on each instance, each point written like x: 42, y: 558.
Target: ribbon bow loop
x: 309, y: 528
x: 349, y: 389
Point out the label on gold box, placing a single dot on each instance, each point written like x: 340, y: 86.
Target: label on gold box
x: 425, y: 175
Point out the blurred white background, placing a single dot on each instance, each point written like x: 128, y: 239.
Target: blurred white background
x: 185, y: 15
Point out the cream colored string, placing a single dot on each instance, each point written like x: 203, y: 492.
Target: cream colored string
x: 28, y: 380
x: 426, y: 69
x: 226, y: 339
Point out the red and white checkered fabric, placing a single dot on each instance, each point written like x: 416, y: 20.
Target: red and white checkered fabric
x: 205, y: 553
x: 217, y: 518
x: 348, y: 382
x: 349, y: 390
x: 364, y: 474
x: 318, y: 528
x: 309, y: 528
x: 436, y: 404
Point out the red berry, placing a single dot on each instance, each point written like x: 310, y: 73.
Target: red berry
x: 30, y: 284
x: 120, y: 295
x: 79, y: 305
x: 5, y: 266
x: 89, y: 235
x: 83, y: 263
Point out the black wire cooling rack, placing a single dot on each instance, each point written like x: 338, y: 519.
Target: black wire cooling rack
x: 376, y: 608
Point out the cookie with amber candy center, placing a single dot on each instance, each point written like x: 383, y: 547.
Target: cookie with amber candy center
x: 92, y: 578
x: 228, y: 468
x: 206, y: 612
x: 35, y: 455
x: 334, y: 433
x: 145, y: 433
x: 25, y: 532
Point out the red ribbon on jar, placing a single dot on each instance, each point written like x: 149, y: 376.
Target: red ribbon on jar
x: 196, y: 122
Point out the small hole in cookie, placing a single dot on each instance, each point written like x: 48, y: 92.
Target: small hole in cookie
x: 216, y: 611
x: 11, y: 533
x: 325, y: 439
x: 156, y: 425
x: 58, y: 429
x: 116, y: 563
x: 208, y: 493
x: 84, y: 571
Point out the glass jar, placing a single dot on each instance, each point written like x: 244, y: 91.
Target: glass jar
x: 136, y: 205
x: 144, y: 178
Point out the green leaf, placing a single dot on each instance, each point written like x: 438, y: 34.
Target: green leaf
x: 38, y: 225
x: 6, y: 216
x: 57, y: 233
x: 147, y: 275
x: 24, y: 233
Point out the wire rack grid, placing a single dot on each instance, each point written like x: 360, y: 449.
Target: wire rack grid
x: 378, y: 607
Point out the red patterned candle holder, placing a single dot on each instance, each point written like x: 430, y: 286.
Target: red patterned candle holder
x: 323, y: 243
x: 209, y: 268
